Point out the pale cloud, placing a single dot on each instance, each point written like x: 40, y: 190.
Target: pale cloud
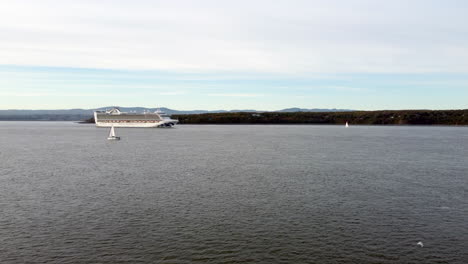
x: 86, y: 94
x: 28, y: 94
x: 55, y: 94
x: 235, y: 95
x: 288, y: 37
x: 173, y: 93
x: 347, y: 88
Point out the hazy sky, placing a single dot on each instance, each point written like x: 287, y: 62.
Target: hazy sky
x: 265, y: 55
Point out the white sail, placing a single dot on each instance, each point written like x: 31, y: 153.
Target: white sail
x: 112, y: 132
x: 347, y: 124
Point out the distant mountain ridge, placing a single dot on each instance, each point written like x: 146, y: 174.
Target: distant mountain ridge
x: 291, y: 110
x: 80, y: 114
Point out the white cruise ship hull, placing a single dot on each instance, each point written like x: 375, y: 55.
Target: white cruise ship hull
x: 137, y: 124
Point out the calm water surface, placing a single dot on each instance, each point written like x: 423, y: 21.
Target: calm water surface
x: 233, y: 194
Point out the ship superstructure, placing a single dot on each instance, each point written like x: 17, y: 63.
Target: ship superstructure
x: 115, y: 117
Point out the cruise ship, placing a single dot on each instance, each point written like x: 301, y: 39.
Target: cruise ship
x: 116, y: 118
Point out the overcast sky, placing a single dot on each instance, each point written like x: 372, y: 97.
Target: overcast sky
x: 265, y: 55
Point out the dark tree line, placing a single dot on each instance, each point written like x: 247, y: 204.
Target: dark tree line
x: 400, y: 117
x: 390, y: 117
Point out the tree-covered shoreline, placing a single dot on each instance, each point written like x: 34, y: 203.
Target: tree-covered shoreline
x: 387, y: 117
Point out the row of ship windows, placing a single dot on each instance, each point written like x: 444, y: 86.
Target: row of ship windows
x: 128, y: 121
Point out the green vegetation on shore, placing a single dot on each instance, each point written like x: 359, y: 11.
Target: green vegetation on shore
x: 390, y: 117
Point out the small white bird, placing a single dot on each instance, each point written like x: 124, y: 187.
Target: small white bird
x: 420, y: 244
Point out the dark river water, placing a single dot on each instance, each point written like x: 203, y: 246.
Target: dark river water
x: 233, y: 194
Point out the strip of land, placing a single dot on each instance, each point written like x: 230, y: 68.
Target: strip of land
x: 390, y: 117
x: 401, y: 117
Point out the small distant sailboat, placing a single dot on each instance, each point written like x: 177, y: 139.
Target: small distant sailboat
x: 112, y: 135
x: 347, y: 125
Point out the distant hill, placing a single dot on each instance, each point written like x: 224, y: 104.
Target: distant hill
x: 82, y: 114
x: 292, y: 110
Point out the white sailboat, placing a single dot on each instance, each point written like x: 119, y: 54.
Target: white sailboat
x: 347, y: 125
x: 112, y: 135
